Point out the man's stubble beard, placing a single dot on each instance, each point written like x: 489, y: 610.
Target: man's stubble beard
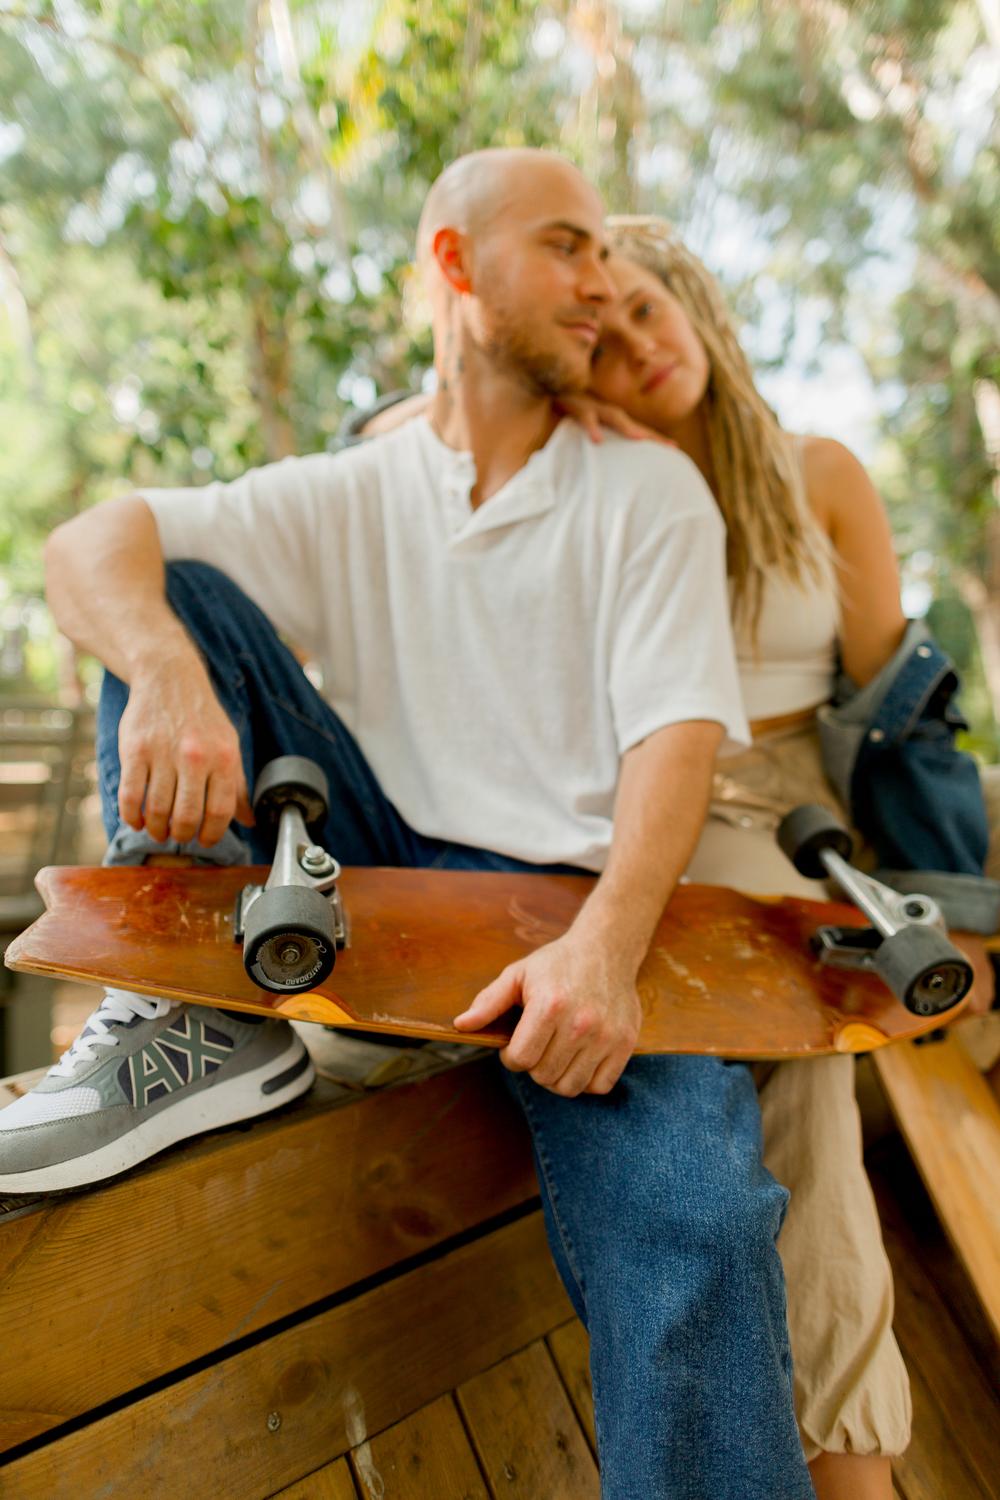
x: 508, y: 343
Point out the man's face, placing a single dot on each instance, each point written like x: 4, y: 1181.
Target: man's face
x: 540, y: 280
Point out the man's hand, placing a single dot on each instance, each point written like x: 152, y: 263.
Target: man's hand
x: 182, y: 775
x: 581, y: 1015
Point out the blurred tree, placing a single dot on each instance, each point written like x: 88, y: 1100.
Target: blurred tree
x: 207, y: 213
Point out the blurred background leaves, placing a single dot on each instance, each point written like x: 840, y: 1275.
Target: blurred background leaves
x: 207, y: 213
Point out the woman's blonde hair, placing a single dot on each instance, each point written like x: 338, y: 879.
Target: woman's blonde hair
x: 757, y: 470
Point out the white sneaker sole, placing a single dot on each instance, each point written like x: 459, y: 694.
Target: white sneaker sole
x: 223, y: 1103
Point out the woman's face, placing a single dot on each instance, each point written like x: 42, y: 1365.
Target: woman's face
x: 648, y: 358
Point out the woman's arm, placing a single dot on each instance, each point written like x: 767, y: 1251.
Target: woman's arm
x: 848, y: 507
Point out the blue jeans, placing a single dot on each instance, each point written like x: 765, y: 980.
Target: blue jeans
x: 661, y: 1218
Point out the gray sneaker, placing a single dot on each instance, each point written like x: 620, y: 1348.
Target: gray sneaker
x: 142, y: 1075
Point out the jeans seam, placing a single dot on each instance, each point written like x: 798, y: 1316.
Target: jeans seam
x: 564, y: 1240
x: 545, y: 1166
x: 365, y: 801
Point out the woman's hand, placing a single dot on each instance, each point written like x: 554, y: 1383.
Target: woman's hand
x: 593, y: 414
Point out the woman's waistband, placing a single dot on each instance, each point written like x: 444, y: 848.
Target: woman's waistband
x: 780, y: 722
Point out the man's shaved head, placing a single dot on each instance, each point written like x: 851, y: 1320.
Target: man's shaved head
x: 511, y: 246
x: 473, y: 192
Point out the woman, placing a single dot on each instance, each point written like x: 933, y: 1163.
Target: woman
x: 812, y: 573
x: 813, y: 579
x: 812, y: 568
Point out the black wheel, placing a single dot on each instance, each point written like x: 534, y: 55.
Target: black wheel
x: 288, y: 939
x: 291, y: 778
x: 806, y: 830
x: 923, y: 969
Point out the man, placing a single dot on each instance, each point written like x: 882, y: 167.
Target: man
x: 526, y: 663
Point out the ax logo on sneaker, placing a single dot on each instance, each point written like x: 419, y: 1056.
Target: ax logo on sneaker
x: 188, y: 1049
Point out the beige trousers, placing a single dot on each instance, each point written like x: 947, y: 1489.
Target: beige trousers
x: 852, y: 1394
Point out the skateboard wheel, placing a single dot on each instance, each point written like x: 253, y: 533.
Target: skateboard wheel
x: 806, y: 830
x: 291, y: 778
x: 923, y: 969
x: 288, y: 939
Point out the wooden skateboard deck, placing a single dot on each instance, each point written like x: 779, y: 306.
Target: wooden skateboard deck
x: 727, y: 974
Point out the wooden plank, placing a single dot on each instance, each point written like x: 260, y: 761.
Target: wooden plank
x: 525, y: 1433
x: 427, y: 1457
x: 570, y: 1349
x: 950, y: 1119
x: 239, y: 1229
x: 331, y: 1482
x: 257, y: 1421
x: 932, y: 1468
x: 937, y: 1357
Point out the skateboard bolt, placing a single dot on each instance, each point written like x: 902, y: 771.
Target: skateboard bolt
x: 273, y: 1421
x: 316, y: 860
x: 290, y: 953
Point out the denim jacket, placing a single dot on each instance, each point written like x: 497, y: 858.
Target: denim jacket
x: 889, y: 752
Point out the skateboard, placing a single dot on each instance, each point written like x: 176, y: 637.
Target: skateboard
x: 403, y: 951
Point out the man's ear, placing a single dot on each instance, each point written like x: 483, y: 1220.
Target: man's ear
x: 449, y: 248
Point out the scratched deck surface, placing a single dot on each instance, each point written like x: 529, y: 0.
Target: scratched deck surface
x: 727, y: 973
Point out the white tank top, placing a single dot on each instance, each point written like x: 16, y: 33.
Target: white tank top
x: 791, y: 663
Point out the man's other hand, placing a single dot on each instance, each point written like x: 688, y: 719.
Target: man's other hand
x: 581, y: 1016
x: 182, y: 775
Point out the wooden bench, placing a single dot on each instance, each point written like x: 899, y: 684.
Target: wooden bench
x: 950, y: 1119
x: 258, y: 1302
x: 46, y: 750
x: 353, y: 1300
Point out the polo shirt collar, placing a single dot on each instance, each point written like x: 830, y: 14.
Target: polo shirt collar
x: 529, y: 492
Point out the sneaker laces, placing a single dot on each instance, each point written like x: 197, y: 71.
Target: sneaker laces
x: 118, y: 1006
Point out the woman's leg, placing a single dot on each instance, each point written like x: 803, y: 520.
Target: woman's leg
x: 851, y: 1390
x: 843, y: 1476
x: 852, y: 1393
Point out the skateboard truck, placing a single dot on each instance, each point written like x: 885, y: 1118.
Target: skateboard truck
x: 292, y: 926
x: 907, y: 944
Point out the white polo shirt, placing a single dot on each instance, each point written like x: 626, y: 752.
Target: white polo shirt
x: 493, y: 664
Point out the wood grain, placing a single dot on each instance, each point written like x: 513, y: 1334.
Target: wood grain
x: 936, y: 1356
x: 525, y: 1433
x: 243, y: 1227
x: 331, y: 1381
x: 941, y: 1361
x: 950, y: 1120
x: 727, y: 974
x: 426, y: 1457
x: 570, y: 1350
x: 331, y: 1482
x: 932, y: 1468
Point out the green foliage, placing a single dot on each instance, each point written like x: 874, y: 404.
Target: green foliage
x: 207, y: 215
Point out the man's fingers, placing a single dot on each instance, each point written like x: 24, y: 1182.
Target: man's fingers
x: 220, y: 805
x: 491, y: 1002
x: 244, y: 811
x: 608, y: 1073
x: 189, y: 805
x: 566, y: 1068
x: 132, y: 790
x: 159, y: 802
x: 534, y: 1033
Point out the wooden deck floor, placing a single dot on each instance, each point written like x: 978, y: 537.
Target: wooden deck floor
x: 524, y: 1429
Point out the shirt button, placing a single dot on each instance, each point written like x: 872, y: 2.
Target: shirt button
x: 876, y: 736
x: 923, y: 650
